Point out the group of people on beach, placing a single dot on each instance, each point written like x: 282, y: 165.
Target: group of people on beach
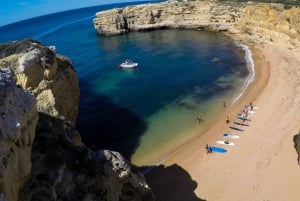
x: 244, y: 115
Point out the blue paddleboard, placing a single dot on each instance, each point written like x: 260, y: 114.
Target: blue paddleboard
x: 231, y: 136
x: 218, y: 149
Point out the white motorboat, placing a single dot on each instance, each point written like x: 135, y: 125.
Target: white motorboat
x: 128, y: 64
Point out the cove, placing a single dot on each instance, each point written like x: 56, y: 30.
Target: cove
x: 146, y: 112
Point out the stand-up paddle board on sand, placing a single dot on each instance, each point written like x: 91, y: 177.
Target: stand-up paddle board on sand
x: 248, y: 107
x: 231, y: 136
x: 218, y: 149
x: 225, y: 143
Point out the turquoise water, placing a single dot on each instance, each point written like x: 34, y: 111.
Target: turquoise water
x: 144, y: 112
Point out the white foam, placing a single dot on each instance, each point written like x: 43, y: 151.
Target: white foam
x: 250, y: 67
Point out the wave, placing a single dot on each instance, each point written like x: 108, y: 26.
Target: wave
x: 250, y: 67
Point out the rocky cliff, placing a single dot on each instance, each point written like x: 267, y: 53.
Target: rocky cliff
x: 204, y: 15
x: 64, y: 169
x: 260, y: 21
x: 17, y: 131
x: 42, y: 156
x: 271, y: 23
x: 49, y: 77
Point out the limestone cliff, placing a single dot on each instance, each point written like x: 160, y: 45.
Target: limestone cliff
x: 260, y: 21
x: 17, y: 130
x: 42, y: 156
x: 49, y: 77
x: 206, y: 15
x: 272, y: 23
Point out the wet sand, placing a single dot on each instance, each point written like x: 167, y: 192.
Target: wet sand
x: 263, y: 163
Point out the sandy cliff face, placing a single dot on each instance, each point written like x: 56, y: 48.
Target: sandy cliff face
x: 18, y: 119
x: 194, y: 14
x: 49, y: 77
x: 271, y: 23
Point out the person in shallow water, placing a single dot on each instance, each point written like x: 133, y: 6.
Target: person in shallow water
x: 199, y: 118
x: 224, y: 104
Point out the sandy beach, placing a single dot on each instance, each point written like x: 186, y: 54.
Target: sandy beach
x: 263, y: 163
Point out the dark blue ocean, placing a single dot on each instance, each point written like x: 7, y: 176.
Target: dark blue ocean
x: 146, y: 112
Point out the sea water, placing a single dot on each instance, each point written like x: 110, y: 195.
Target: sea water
x: 146, y: 112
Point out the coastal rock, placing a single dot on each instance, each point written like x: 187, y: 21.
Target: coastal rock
x: 204, y: 15
x: 260, y: 21
x: 48, y: 76
x: 17, y: 130
x: 64, y: 169
x: 271, y: 22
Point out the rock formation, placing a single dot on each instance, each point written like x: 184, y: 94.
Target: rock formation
x: 64, y: 169
x: 272, y: 22
x: 49, y: 77
x: 42, y: 156
x: 204, y: 15
x: 17, y: 130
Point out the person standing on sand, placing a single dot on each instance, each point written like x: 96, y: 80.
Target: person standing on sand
x: 251, y: 106
x: 208, y: 149
x: 227, y: 120
x: 246, y: 117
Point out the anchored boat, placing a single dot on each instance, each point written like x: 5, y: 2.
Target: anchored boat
x: 128, y: 64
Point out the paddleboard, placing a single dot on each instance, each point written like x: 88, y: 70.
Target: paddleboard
x: 231, y: 136
x: 223, y: 142
x: 242, y: 116
x: 218, y: 149
x: 247, y: 107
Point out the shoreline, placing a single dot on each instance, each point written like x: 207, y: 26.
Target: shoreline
x: 253, y: 88
x: 251, y: 68
x: 211, y: 176
x: 198, y: 131
x: 240, y: 96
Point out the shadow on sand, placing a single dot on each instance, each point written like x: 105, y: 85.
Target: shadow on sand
x: 172, y: 183
x: 240, y: 124
x: 296, y: 140
x: 236, y: 129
